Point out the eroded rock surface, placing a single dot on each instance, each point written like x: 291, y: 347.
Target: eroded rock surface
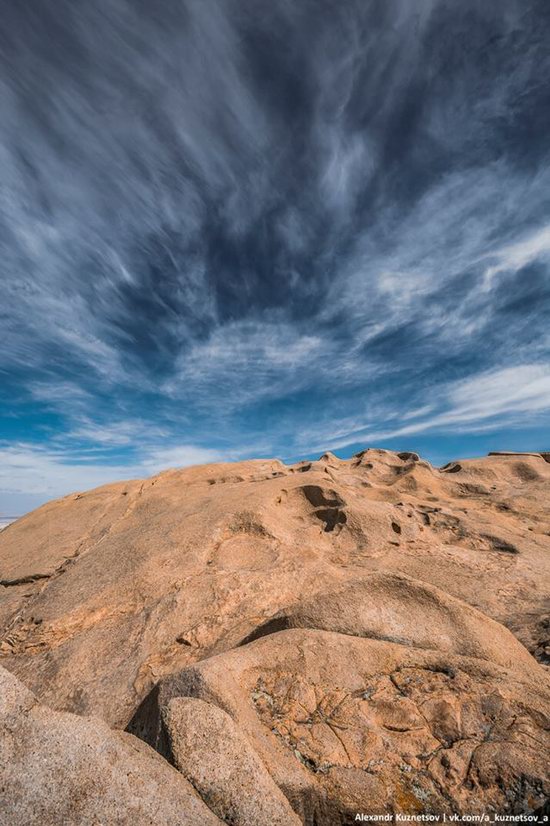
x: 347, y: 724
x: 403, y: 610
x: 426, y: 590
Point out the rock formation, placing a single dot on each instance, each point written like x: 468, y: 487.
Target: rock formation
x: 301, y: 642
x: 57, y: 768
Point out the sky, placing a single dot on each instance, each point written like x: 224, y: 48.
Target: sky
x: 251, y: 228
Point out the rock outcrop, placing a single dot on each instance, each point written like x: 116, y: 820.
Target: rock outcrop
x: 360, y: 635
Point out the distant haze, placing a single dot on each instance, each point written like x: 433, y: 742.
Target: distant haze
x: 238, y: 228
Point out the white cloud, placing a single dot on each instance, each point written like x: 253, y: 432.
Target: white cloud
x: 59, y: 392
x: 246, y: 362
x: 485, y: 401
x: 524, y: 388
x: 28, y: 469
x: 130, y: 432
x: 182, y: 456
x: 358, y: 229
x: 30, y: 474
x: 516, y: 256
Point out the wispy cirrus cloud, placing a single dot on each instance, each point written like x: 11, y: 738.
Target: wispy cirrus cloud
x: 483, y: 402
x: 44, y: 472
x: 251, y: 226
x: 514, y: 257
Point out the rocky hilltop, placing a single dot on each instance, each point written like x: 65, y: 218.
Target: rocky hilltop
x: 261, y: 644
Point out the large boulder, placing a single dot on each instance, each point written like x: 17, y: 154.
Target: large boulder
x: 399, y: 609
x: 57, y: 768
x: 346, y: 724
x: 209, y: 749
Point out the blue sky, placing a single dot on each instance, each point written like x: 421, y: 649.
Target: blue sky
x: 248, y: 228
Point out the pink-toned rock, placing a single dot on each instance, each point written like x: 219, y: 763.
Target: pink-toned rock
x: 209, y: 749
x: 346, y: 724
x: 57, y: 768
x: 320, y: 569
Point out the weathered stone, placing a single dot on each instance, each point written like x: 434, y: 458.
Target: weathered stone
x: 346, y: 724
x: 277, y: 593
x: 57, y: 768
x: 208, y: 748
